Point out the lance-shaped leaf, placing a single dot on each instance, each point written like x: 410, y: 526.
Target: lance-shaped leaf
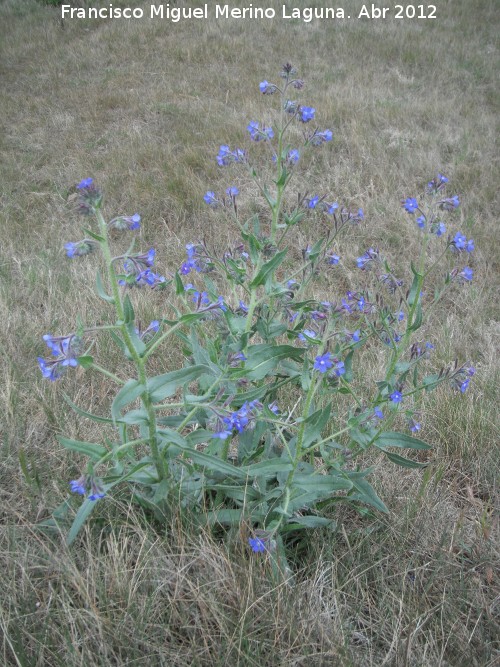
x: 163, y: 386
x: 81, y: 516
x: 401, y: 440
x: 403, y: 462
x: 90, y: 449
x: 262, y: 359
x: 130, y: 391
x: 101, y: 291
x: 268, y: 269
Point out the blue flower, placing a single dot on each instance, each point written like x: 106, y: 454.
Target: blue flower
x: 464, y: 385
x: 226, y: 156
x: 459, y: 241
x: 333, y: 259
x: 365, y: 260
x: 293, y: 156
x: 356, y: 336
x: 88, y: 485
x: 450, y: 203
x: 319, y: 138
x: 80, y: 248
x: 232, y: 192
x: 410, y: 204
x: 85, y: 183
x: 257, y: 545
x: 313, y: 201
x: 469, y: 246
x: 49, y: 369
x: 222, y: 435
x: 79, y: 485
x: 267, y: 88
x: 322, y: 363
x: 331, y: 208
x: 467, y: 274
x: 211, y: 199
x: 307, y: 332
x: 377, y: 412
x: 339, y: 368
x: 306, y: 114
x: 421, y: 221
x: 396, y: 397
x: 257, y: 133
x: 438, y: 228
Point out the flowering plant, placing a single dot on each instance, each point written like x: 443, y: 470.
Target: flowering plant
x: 265, y: 423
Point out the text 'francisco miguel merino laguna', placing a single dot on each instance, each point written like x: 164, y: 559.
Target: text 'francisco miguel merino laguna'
x: 175, y: 14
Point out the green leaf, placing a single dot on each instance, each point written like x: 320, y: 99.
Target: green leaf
x: 94, y: 236
x: 163, y: 386
x: 393, y: 439
x: 224, y: 517
x: 268, y: 269
x: 81, y: 516
x: 100, y: 289
x: 130, y: 391
x: 405, y: 463
x: 322, y: 483
x: 135, y: 417
x: 268, y: 468
x: 417, y: 323
x: 311, y: 521
x: 431, y: 381
x: 262, y: 359
x: 128, y: 310
x: 179, y: 285
x: 412, y: 295
x: 88, y: 415
x: 137, y: 342
x: 366, y: 493
x: 85, y: 361
x: 90, y: 449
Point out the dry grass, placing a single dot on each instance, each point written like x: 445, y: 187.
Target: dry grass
x: 143, y: 107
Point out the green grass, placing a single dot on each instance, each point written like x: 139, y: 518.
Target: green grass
x: 142, y: 107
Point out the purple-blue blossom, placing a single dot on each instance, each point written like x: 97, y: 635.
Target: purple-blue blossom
x: 226, y: 156
x: 365, y: 260
x: 211, y: 199
x: 396, y: 397
x: 258, y: 133
x: 410, y: 204
x: 85, y: 183
x: 306, y: 332
x: 257, y: 545
x: 320, y: 137
x: 80, y: 248
x: 306, y: 113
x: 267, y: 88
x: 322, y: 363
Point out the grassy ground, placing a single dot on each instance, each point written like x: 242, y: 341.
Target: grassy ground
x: 142, y: 107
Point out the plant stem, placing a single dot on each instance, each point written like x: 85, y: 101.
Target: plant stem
x: 160, y: 463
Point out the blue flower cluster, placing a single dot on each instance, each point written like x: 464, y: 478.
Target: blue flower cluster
x: 65, y: 349
x: 258, y: 133
x: 88, y: 485
x: 138, y: 270
x: 226, y: 156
